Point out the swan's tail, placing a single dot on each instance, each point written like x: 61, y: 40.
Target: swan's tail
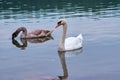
x: 80, y: 36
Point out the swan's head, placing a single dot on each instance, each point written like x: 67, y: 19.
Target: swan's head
x: 61, y: 22
x: 15, y: 34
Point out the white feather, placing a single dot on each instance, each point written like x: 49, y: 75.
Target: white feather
x: 72, y: 43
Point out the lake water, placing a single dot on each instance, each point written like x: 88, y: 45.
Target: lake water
x: 97, y: 20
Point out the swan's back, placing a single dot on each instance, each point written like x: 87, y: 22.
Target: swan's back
x: 73, y: 43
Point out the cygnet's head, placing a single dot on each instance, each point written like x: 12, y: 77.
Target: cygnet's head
x: 15, y: 34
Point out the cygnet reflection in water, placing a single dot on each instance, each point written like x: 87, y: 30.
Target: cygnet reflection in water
x: 24, y: 42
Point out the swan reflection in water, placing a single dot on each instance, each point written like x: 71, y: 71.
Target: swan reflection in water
x: 62, y: 56
x: 64, y: 66
x: 22, y: 44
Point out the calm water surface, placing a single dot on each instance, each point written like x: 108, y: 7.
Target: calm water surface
x: 98, y: 21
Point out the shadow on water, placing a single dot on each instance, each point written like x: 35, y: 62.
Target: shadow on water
x: 24, y: 42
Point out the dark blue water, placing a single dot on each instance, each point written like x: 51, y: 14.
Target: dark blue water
x: 98, y: 21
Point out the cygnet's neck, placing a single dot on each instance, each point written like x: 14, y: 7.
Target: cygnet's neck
x: 24, y: 32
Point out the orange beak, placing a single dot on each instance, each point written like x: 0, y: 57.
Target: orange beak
x: 58, y: 25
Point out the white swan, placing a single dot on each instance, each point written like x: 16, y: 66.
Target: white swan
x: 70, y: 43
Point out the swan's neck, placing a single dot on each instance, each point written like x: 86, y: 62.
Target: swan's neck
x: 24, y: 32
x: 62, y: 40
